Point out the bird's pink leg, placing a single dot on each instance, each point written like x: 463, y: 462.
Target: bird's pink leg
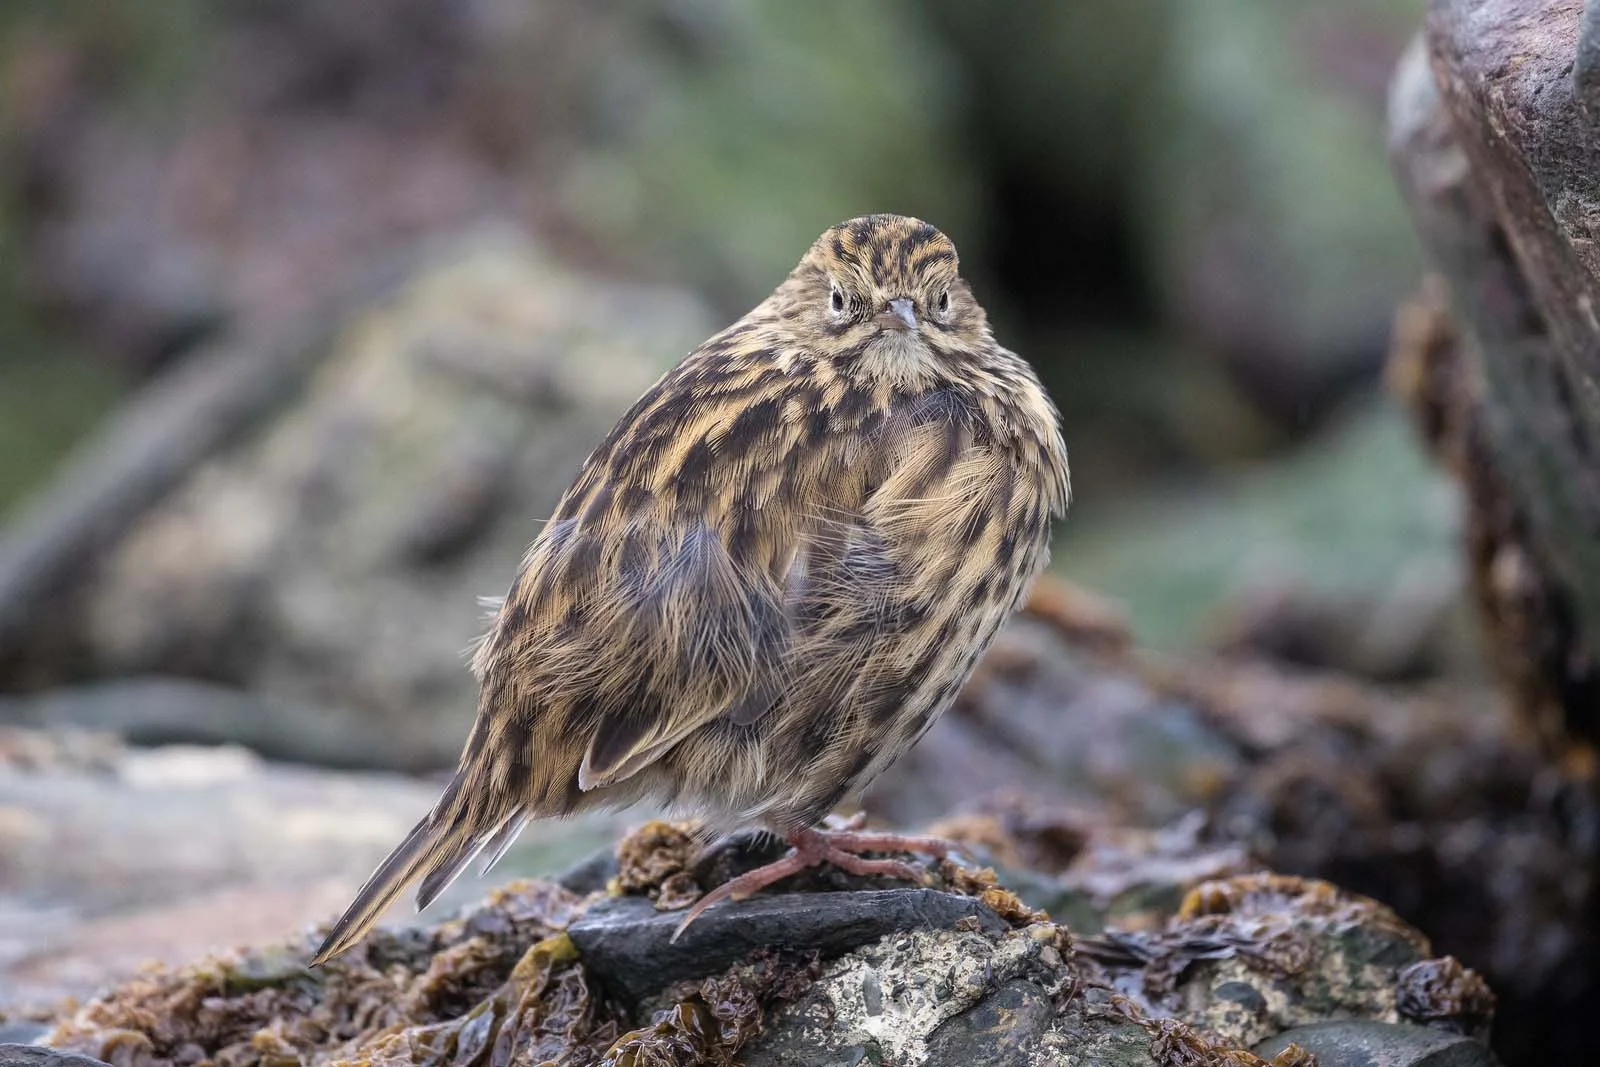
x: 849, y: 841
x: 810, y: 848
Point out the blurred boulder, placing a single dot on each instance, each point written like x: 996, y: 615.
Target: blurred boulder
x: 1050, y: 721
x: 155, y: 711
x: 1409, y: 794
x: 327, y: 556
x: 111, y: 857
x: 1499, y: 158
x: 296, y: 143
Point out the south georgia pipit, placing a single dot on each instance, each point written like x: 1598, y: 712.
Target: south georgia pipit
x: 768, y: 581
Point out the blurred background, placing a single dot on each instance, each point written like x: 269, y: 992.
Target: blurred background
x: 1181, y: 213
x: 308, y: 309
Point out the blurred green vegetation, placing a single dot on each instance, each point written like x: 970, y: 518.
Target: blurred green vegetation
x: 53, y: 388
x: 725, y: 137
x: 1269, y: 131
x: 1179, y: 210
x: 51, y: 394
x: 142, y: 54
x: 1346, y: 515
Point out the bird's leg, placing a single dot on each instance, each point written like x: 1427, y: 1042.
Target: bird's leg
x: 798, y: 858
x: 811, y: 848
x: 845, y: 835
x: 849, y: 841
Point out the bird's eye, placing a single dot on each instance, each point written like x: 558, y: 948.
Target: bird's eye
x: 836, y: 299
x: 942, y: 304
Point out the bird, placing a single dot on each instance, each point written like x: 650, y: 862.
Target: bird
x: 767, y: 581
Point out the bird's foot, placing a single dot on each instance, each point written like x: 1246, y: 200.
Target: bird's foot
x: 841, y: 848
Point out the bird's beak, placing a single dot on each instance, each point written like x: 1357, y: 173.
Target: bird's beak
x: 903, y: 309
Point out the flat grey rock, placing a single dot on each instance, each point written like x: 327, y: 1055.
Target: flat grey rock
x: 626, y: 942
x: 22, y: 1032
x: 1357, y: 1043
x: 38, y: 1056
x: 590, y: 874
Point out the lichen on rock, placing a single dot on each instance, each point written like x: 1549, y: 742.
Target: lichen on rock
x: 955, y: 973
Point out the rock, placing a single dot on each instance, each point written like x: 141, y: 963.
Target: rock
x: 1256, y: 954
x: 913, y: 976
x: 1406, y: 794
x: 1497, y: 358
x: 34, y: 1056
x: 931, y: 997
x: 166, y: 711
x: 1586, y: 67
x: 1499, y: 164
x: 627, y: 943
x: 21, y: 1033
x: 177, y: 851
x: 1431, y: 793
x: 132, y: 461
x: 327, y: 559
x: 1351, y: 1043
x: 1003, y: 1029
x: 1042, y: 719
x: 589, y: 875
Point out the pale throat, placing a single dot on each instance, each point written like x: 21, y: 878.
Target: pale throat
x: 901, y: 357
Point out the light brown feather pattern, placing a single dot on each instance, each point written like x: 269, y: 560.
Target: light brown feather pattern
x: 774, y: 573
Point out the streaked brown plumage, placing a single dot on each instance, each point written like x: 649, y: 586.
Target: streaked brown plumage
x: 771, y: 577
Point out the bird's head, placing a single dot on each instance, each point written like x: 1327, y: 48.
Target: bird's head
x: 885, y: 289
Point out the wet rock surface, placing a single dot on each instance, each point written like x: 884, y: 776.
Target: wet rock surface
x: 523, y: 977
x: 1348, y: 1043
x: 628, y: 943
x: 1194, y: 772
x: 22, y: 1055
x: 111, y: 857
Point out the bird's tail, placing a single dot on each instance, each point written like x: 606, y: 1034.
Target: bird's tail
x: 436, y: 850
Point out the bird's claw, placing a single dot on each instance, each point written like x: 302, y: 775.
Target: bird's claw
x: 840, y: 847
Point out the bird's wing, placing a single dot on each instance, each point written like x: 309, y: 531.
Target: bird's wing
x: 659, y: 597
x: 652, y: 602
x: 695, y: 635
